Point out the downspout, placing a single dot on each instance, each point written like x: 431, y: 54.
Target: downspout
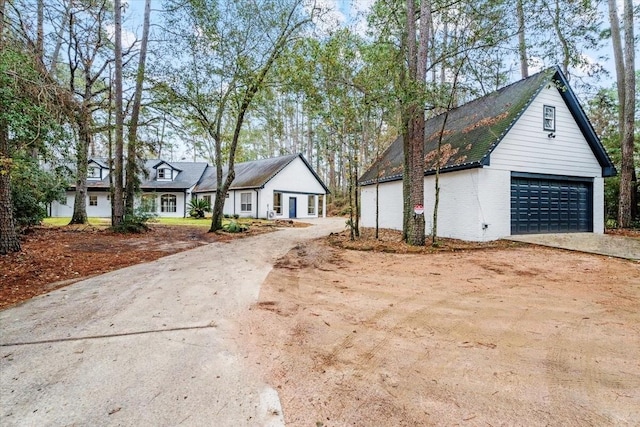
x: 234, y: 202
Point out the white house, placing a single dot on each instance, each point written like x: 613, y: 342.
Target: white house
x: 279, y: 187
x: 166, y: 189
x: 524, y: 159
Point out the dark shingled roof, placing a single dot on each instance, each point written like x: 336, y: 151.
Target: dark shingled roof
x: 253, y: 174
x: 473, y: 130
x: 189, y: 174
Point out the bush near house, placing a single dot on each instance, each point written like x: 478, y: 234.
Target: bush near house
x: 198, y: 208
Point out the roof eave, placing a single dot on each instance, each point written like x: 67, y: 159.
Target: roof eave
x: 427, y: 172
x: 608, y: 169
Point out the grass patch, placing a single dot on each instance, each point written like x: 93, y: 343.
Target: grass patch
x: 193, y: 222
x: 62, y: 221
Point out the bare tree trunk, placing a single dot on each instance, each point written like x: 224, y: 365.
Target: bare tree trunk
x: 627, y: 124
x: 118, y: 203
x: 522, y: 44
x: 83, y: 121
x: 9, y: 241
x: 557, y: 23
x: 132, y: 179
x: 618, y: 56
x: 417, y: 75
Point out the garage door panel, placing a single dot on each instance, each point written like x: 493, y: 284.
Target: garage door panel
x: 550, y: 206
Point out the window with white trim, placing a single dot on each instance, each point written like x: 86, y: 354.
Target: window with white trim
x: 148, y: 203
x: 320, y: 205
x: 311, y: 205
x: 245, y: 202
x: 165, y: 174
x: 277, y: 203
x: 93, y: 200
x: 168, y: 203
x: 549, y: 119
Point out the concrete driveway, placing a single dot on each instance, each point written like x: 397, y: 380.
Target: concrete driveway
x: 602, y: 244
x: 148, y: 345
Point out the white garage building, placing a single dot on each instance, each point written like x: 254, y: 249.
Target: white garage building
x: 522, y: 160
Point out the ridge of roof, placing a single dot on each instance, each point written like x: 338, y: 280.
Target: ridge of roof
x: 474, y: 129
x: 252, y: 174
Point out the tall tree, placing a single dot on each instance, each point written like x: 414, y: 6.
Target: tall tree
x: 9, y: 241
x: 522, y: 43
x: 228, y: 51
x: 87, y: 55
x: 414, y: 120
x: 626, y: 82
x: 117, y: 203
x: 132, y: 173
x: 28, y: 118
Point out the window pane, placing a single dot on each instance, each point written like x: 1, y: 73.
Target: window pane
x: 549, y: 118
x: 168, y: 203
x: 277, y: 203
x: 311, y: 206
x: 245, y: 202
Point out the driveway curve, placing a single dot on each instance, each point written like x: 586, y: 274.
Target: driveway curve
x: 146, y: 345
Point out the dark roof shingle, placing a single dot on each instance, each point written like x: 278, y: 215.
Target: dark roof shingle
x: 474, y: 129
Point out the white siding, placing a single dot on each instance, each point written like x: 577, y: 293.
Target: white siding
x: 527, y: 147
x: 462, y: 211
x: 62, y: 210
x: 389, y: 206
x: 294, y: 181
x: 103, y: 209
x: 598, y: 205
x: 475, y: 204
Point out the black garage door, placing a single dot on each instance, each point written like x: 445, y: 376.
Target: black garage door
x: 550, y: 206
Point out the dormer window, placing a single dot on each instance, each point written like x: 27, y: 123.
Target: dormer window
x: 93, y: 172
x: 165, y: 174
x: 549, y: 118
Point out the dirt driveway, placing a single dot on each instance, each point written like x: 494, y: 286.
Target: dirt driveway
x: 520, y: 336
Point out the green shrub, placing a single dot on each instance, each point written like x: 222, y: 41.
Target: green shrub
x: 32, y: 189
x: 136, y: 222
x: 235, y: 227
x: 198, y: 208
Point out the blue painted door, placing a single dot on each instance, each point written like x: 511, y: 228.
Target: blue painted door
x: 292, y: 207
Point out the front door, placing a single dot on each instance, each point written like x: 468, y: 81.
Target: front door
x: 292, y: 207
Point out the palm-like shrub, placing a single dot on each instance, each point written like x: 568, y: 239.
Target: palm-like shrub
x: 198, y: 208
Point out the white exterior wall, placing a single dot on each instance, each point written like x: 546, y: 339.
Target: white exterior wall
x: 294, y: 181
x: 475, y: 204
x: 180, y: 203
x: 598, y: 205
x: 103, y: 209
x: 389, y: 207
x: 527, y: 147
x: 62, y: 210
x: 463, y: 210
